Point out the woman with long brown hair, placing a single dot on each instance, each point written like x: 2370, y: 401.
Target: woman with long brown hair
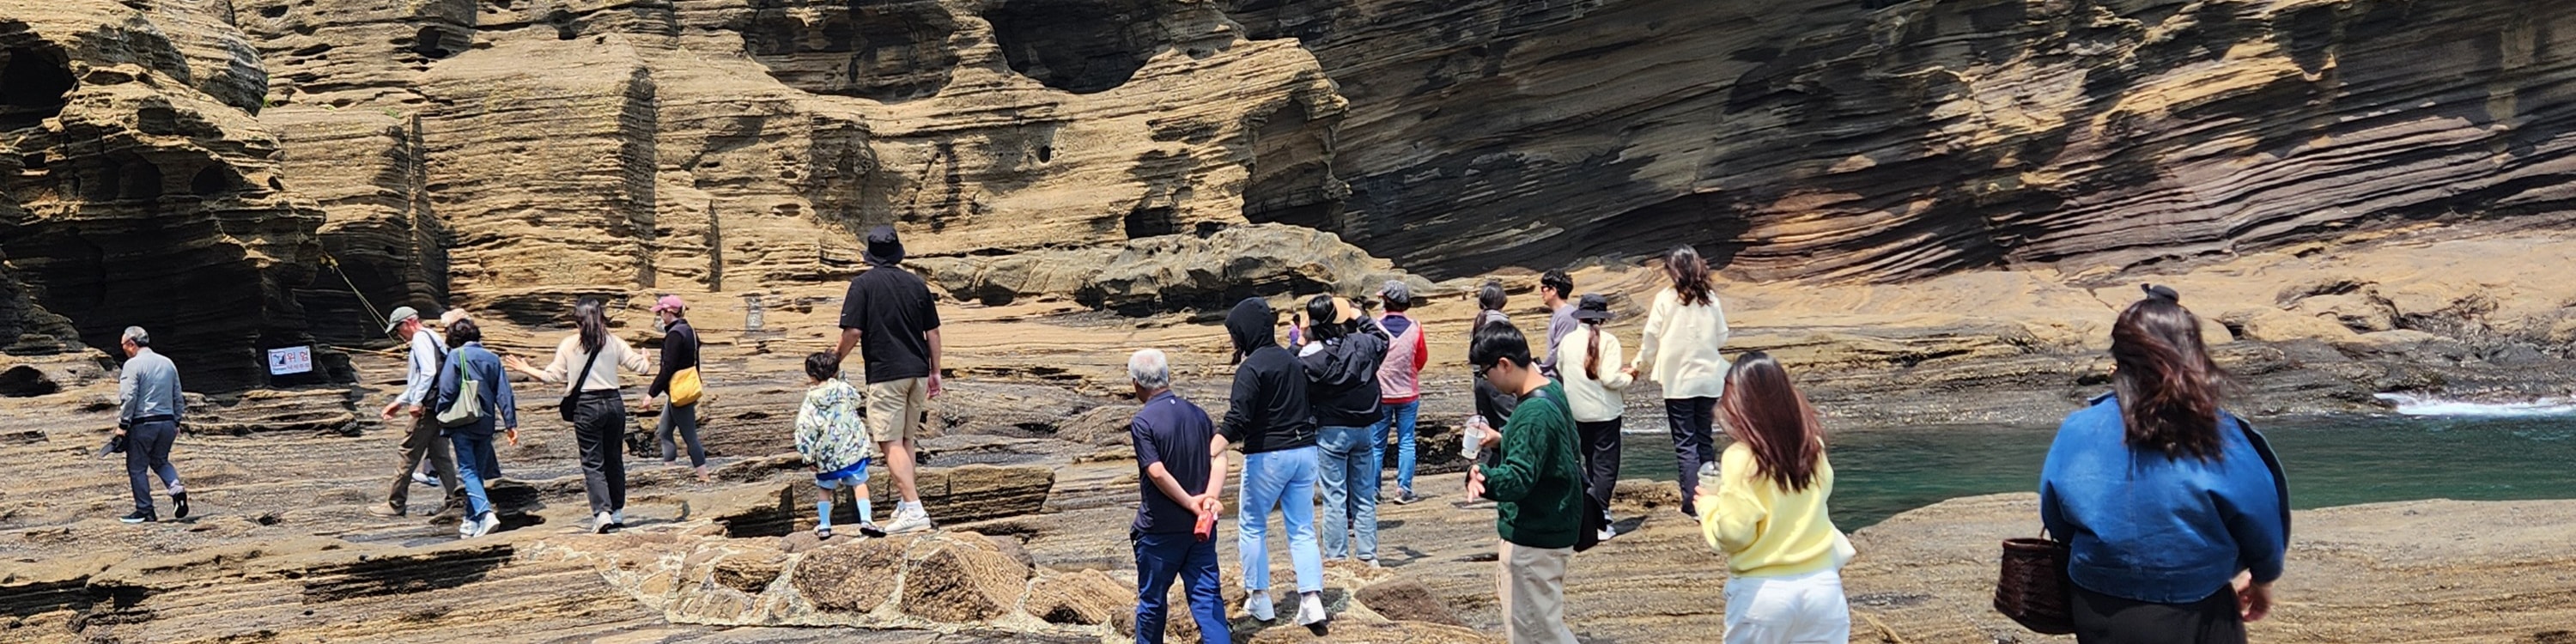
x: 587, y: 362
x: 1784, y: 557
x: 1685, y: 330
x: 2174, y: 511
x: 1593, y: 382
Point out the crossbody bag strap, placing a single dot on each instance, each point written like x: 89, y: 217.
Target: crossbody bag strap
x: 585, y: 369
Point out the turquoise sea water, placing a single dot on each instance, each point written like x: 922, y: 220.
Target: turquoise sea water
x: 2330, y: 460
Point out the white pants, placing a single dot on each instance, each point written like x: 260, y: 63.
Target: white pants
x: 1797, y: 609
x: 1532, y: 587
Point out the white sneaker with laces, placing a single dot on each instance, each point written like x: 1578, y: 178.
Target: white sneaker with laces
x: 1310, y: 611
x: 491, y: 520
x: 908, y: 520
x: 600, y: 524
x: 1258, y: 606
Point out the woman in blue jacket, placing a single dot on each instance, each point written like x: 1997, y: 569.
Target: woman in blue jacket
x: 2175, y: 512
x: 475, y: 462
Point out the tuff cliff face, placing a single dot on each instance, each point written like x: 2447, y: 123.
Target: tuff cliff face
x: 1889, y: 140
x: 511, y: 155
x: 140, y: 190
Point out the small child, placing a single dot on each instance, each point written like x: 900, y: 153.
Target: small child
x: 833, y: 437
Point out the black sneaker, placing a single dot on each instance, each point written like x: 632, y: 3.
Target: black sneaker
x: 179, y: 499
x: 139, y: 516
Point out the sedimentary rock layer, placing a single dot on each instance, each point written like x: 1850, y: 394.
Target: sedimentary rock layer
x: 1882, y: 140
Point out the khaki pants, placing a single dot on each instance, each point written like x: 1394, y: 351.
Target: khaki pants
x: 896, y: 409
x: 1531, y: 585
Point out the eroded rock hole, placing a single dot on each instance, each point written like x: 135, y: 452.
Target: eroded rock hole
x: 873, y: 49
x: 431, y: 43
x: 1080, y: 46
x: 138, y: 180
x: 26, y: 382
x: 1292, y: 173
x: 1151, y: 222
x: 211, y: 181
x: 32, y: 85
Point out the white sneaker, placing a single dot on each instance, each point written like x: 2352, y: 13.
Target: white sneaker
x: 424, y: 478
x: 600, y: 524
x: 617, y: 518
x: 1310, y: 611
x: 1607, y: 532
x: 908, y: 520
x: 491, y: 520
x: 1258, y: 606
x: 464, y: 529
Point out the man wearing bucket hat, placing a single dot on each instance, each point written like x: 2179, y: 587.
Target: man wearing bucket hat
x: 892, y: 318
x: 680, y: 362
x: 407, y: 410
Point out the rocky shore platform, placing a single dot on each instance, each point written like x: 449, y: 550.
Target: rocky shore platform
x: 1030, y: 475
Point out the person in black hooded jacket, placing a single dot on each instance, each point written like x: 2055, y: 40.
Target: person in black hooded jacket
x: 1341, y: 363
x: 1269, y: 417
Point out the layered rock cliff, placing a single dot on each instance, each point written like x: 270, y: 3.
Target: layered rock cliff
x: 510, y: 155
x: 140, y: 189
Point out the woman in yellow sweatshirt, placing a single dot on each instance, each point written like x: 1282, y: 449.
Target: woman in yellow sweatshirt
x: 1767, y: 513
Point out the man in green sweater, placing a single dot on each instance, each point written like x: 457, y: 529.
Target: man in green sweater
x: 1537, y: 488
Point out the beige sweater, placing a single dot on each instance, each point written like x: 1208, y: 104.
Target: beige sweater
x: 1593, y: 400
x: 1681, y: 349
x: 569, y: 358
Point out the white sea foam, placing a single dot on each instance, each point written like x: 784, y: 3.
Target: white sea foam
x: 2423, y: 406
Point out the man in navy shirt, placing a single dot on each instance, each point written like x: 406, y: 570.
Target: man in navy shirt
x: 1180, y: 466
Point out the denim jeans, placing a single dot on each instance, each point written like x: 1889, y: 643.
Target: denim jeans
x: 1693, y: 420
x: 1350, y: 481
x: 475, y: 466
x: 1282, y: 480
x: 1164, y: 558
x: 1399, y: 418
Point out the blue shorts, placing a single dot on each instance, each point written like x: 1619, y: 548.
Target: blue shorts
x: 856, y: 473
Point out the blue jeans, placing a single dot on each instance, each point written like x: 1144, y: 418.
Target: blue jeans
x: 1283, y: 480
x: 1350, y: 491
x: 1163, y: 558
x: 1399, y: 418
x: 475, y: 464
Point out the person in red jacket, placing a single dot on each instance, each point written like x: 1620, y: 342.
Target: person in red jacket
x: 1399, y: 383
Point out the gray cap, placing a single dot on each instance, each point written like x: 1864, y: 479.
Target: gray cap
x: 1396, y: 291
x: 395, y: 320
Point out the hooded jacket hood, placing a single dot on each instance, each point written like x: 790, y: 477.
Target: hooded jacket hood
x: 1252, y: 325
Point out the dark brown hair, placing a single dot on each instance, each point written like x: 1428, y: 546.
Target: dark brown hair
x: 1689, y: 275
x: 1592, y: 350
x: 590, y: 314
x: 1765, y: 412
x: 2167, y: 386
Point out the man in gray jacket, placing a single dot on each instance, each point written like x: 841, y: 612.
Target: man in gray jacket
x: 148, y: 414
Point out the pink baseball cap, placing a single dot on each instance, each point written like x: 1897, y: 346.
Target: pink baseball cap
x: 668, y: 303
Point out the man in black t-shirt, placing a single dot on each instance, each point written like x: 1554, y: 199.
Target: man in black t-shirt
x: 894, y: 320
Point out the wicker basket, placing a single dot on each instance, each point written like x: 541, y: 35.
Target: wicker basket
x: 2032, y: 587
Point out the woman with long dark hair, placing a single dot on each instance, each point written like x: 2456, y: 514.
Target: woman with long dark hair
x: 2175, y: 511
x: 1593, y: 381
x: 1685, y: 330
x: 592, y: 357
x: 1784, y: 557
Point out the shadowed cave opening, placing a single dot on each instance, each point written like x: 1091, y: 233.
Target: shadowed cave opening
x: 32, y: 86
x: 1080, y: 46
x: 26, y: 382
x: 880, y: 50
x: 210, y: 181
